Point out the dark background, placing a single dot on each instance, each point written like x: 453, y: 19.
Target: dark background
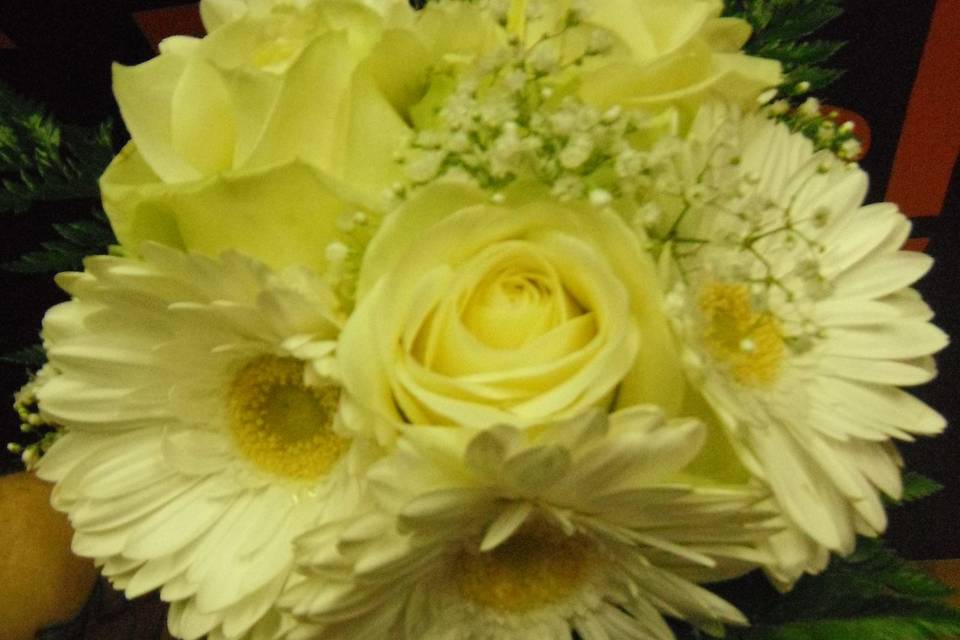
x: 61, y: 57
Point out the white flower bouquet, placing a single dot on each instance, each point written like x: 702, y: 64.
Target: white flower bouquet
x: 492, y: 320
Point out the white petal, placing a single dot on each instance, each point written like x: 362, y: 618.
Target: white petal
x: 882, y: 275
x: 891, y: 340
x: 534, y: 469
x: 505, y: 525
x: 877, y: 371
x: 807, y: 496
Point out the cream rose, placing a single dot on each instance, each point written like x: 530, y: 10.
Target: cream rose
x: 472, y: 313
x: 270, y: 114
x: 662, y: 54
x: 278, y: 82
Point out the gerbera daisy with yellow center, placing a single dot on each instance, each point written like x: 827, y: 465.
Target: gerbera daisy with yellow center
x: 798, y: 323
x: 200, y: 403
x: 583, y: 526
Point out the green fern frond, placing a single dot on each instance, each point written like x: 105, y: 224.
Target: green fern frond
x: 54, y: 256
x: 800, y: 53
x: 900, y: 621
x: 77, y: 240
x: 784, y: 19
x: 872, y: 595
x: 32, y: 357
x: 42, y: 160
x: 779, y: 27
x: 891, y: 575
x: 917, y: 487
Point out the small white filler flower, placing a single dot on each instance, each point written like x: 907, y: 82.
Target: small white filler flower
x: 200, y: 406
x: 585, y: 525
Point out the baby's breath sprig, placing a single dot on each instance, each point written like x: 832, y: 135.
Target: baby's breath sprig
x: 516, y: 116
x: 32, y: 423
x: 821, y: 126
x: 345, y: 255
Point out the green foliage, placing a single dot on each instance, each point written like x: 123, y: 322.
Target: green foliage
x: 798, y: 53
x: 917, y: 487
x: 872, y: 595
x: 779, y: 30
x: 911, y: 621
x: 32, y: 357
x: 784, y: 19
x: 42, y: 160
x: 76, y: 241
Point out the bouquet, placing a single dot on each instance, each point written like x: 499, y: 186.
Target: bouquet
x: 495, y: 319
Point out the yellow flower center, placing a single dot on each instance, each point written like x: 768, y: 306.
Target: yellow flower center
x: 282, y: 425
x: 747, y: 341
x: 537, y: 566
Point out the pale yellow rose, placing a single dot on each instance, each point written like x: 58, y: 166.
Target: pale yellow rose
x: 276, y: 88
x: 272, y: 85
x: 681, y: 53
x: 216, y: 13
x: 668, y: 53
x: 284, y: 216
x: 471, y: 313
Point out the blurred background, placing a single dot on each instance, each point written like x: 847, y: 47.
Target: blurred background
x: 903, y: 79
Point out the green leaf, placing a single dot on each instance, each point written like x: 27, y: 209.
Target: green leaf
x: 800, y: 53
x: 871, y: 595
x: 917, y: 486
x: 902, y: 621
x: 784, y: 19
x: 33, y: 356
x: 891, y: 574
x: 794, y: 19
x: 54, y: 257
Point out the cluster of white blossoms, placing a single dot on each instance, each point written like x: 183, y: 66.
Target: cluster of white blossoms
x: 513, y: 116
x: 614, y: 335
x: 513, y: 130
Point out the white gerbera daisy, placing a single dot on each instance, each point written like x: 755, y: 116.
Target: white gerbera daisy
x: 502, y: 534
x: 792, y: 301
x: 199, y: 401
